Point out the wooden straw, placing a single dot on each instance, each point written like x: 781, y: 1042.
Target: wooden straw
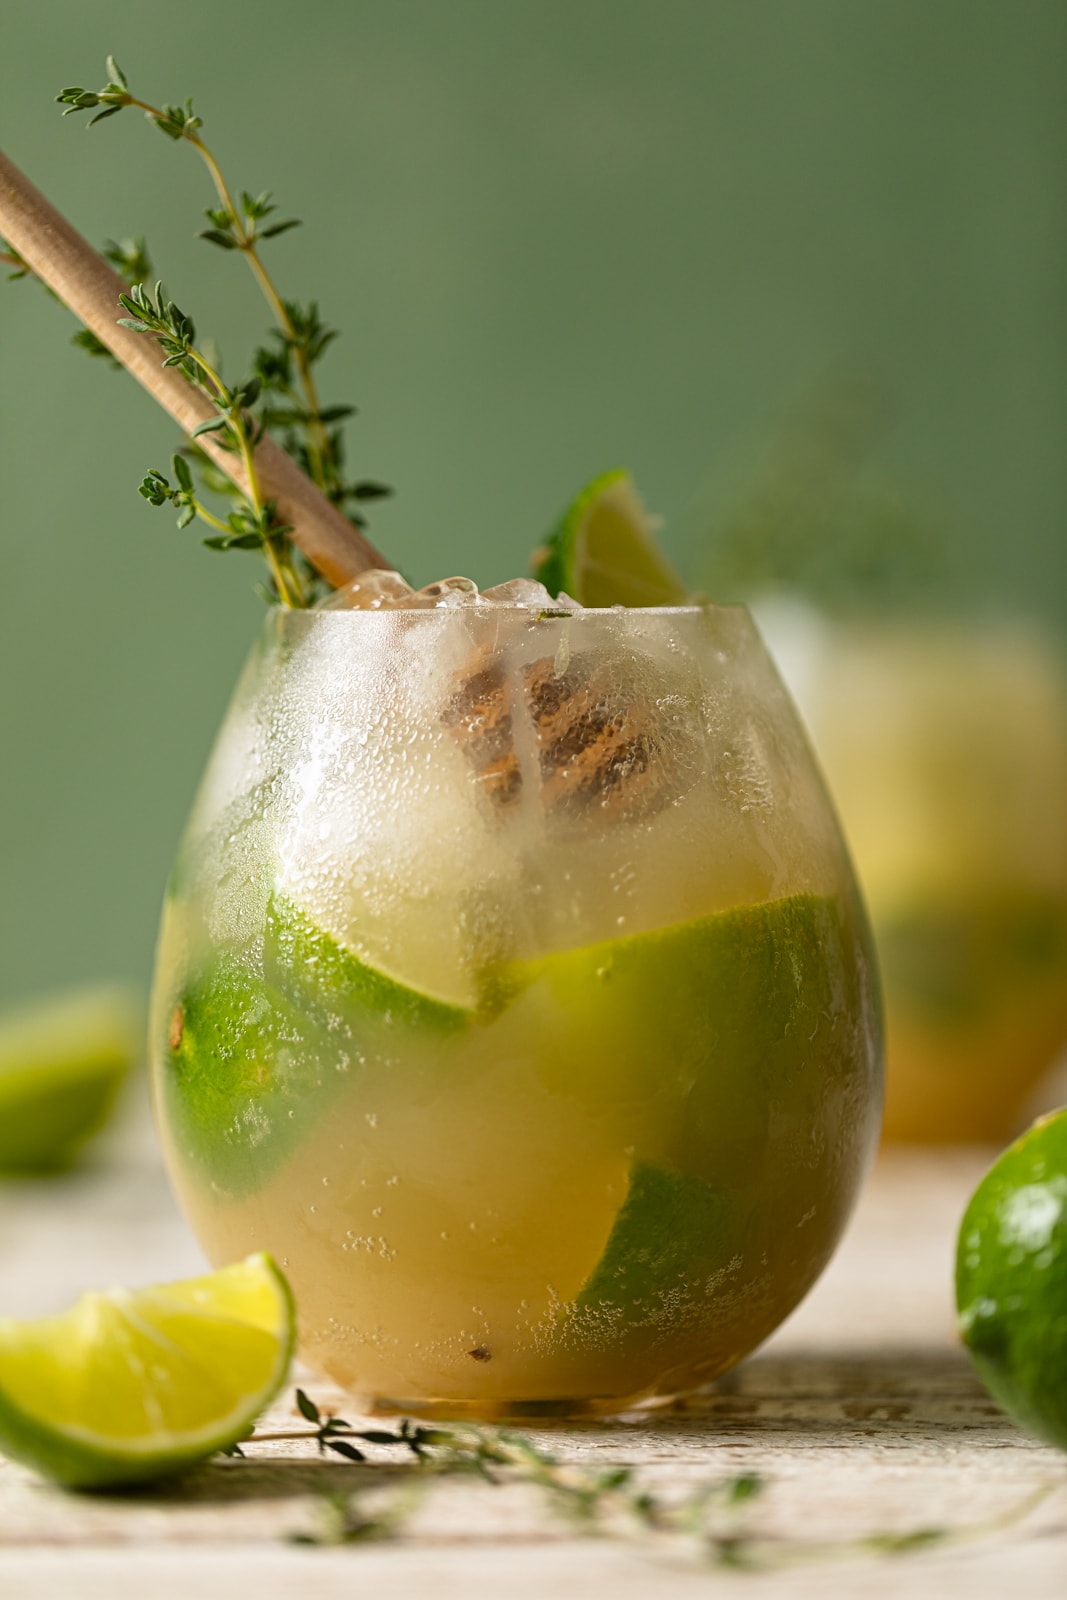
x: 85, y: 282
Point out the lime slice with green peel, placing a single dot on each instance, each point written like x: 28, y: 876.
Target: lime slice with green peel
x: 1011, y: 1279
x: 736, y: 1057
x: 300, y: 952
x: 255, y: 1049
x: 672, y: 1232
x: 62, y: 1062
x: 136, y: 1384
x: 603, y: 552
x: 723, y: 1017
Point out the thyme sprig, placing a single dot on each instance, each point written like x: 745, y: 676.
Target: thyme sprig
x: 714, y: 1519
x: 594, y: 1498
x: 249, y: 527
x: 241, y: 224
x: 280, y: 396
x: 11, y: 258
x: 333, y: 1432
x: 129, y: 257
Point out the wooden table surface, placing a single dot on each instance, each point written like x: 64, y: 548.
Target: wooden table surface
x: 861, y: 1415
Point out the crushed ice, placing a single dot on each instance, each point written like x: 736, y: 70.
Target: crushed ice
x: 377, y: 590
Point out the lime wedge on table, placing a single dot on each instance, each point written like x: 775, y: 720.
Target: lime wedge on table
x: 1011, y: 1279
x: 603, y: 552
x: 135, y: 1384
x: 61, y: 1064
x: 255, y: 1050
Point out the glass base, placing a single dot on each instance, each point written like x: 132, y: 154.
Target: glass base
x: 565, y: 1408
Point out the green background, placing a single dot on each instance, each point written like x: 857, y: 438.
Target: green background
x: 558, y: 235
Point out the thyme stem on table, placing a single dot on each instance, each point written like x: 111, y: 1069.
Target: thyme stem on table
x: 714, y: 1518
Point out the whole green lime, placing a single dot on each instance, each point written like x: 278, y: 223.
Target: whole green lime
x: 1011, y: 1279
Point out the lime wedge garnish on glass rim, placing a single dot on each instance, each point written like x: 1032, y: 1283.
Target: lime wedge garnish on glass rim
x: 603, y: 551
x: 62, y: 1062
x: 135, y: 1384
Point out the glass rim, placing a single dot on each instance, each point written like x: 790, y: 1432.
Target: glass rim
x: 542, y: 614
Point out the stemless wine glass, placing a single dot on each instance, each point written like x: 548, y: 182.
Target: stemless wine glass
x: 514, y: 992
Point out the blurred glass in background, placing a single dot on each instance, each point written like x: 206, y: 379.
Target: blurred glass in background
x: 939, y: 711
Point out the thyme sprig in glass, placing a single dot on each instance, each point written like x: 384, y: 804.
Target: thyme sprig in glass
x: 250, y: 527
x: 11, y: 258
x: 129, y: 257
x: 280, y: 396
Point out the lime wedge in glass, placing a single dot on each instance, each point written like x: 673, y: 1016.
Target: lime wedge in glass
x: 603, y: 551
x: 690, y: 1033
x: 136, y: 1384
x: 672, y: 1231
x: 62, y: 1062
x: 255, y: 1050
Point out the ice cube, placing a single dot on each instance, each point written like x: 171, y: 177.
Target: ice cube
x: 448, y: 592
x: 609, y: 739
x: 603, y: 732
x: 373, y: 590
x: 377, y: 590
x: 520, y: 592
